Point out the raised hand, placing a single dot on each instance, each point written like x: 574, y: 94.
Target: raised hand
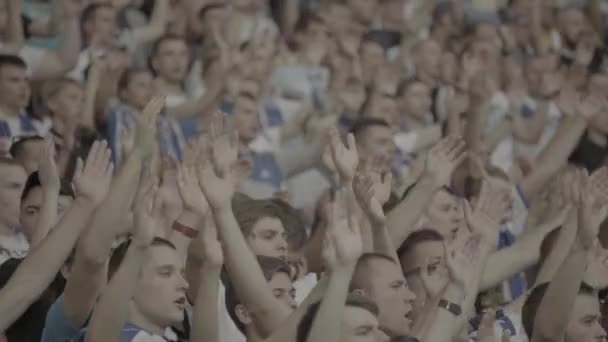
x: 592, y: 213
x: 343, y: 245
x: 72, y: 8
x: 599, y: 182
x: 190, y: 191
x: 145, y: 137
x: 217, y: 189
x: 435, y: 277
x: 590, y: 106
x: 463, y: 263
x: 444, y: 158
x: 212, y: 251
x: 345, y: 157
x: 363, y: 186
x: 92, y: 178
x: 47, y: 168
x: 486, y: 326
x: 489, y: 211
x: 224, y: 144
x: 146, y: 205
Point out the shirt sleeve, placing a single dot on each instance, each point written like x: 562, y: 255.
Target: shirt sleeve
x: 57, y: 327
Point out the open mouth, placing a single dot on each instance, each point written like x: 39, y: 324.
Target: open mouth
x: 410, y: 315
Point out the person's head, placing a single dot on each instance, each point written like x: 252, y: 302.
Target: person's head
x: 381, y: 104
x: 14, y: 83
x: 32, y: 200
x: 445, y: 214
x: 64, y: 98
x: 340, y: 14
x: 380, y: 277
x: 427, y: 54
x: 260, y: 222
x: 160, y: 298
x: 422, y: 251
x: 415, y: 98
x: 246, y: 118
x: 488, y: 32
x: 170, y: 58
x: 98, y: 23
x: 352, y: 94
x: 374, y: 140
x: 311, y: 30
x: 363, y: 10
x: 27, y: 151
x: 277, y: 274
x: 585, y: 318
x: 536, y: 70
x: 135, y: 87
x: 212, y: 15
x: 373, y: 54
x: 572, y: 24
x: 359, y: 323
x: 12, y: 180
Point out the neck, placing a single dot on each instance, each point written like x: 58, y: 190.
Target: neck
x: 252, y: 334
x: 169, y: 87
x: 6, y: 230
x: 193, y: 271
x: 597, y: 137
x: 137, y: 318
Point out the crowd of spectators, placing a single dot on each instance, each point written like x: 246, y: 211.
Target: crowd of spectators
x: 303, y: 170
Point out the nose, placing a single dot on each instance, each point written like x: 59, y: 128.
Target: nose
x: 183, y: 283
x: 409, y: 296
x: 282, y: 245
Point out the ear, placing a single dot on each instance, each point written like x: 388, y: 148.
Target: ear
x: 360, y: 292
x: 243, y: 314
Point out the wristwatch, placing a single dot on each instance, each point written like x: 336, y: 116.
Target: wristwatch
x: 454, y: 309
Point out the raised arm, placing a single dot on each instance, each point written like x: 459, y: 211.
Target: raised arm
x: 440, y: 162
x: 243, y: 269
x: 89, y: 271
x: 87, y: 118
x: 157, y: 25
x: 57, y: 63
x: 112, y: 311
x: 14, y: 38
x: 51, y: 185
x: 37, y: 270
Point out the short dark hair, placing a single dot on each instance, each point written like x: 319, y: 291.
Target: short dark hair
x: 156, y: 47
x: 530, y: 308
x: 360, y: 277
x: 12, y: 60
x: 270, y: 267
x: 293, y: 224
x: 362, y: 124
x: 306, y: 20
x: 119, y: 253
x: 17, y: 146
x: 208, y: 8
x: 416, y: 238
x: 90, y: 10
x: 127, y: 76
x: 249, y: 211
x: 353, y: 300
x: 33, y: 181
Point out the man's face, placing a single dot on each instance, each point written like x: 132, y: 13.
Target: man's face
x: 246, y: 120
x: 429, y: 257
x: 417, y: 100
x: 364, y: 10
x: 171, y: 60
x: 268, y: 238
x: 445, y: 215
x: 385, y: 107
x: 377, y: 143
x: 161, y: 288
x: 68, y: 102
x: 360, y: 325
x: 372, y: 55
x: 429, y: 57
x: 140, y: 89
x: 14, y: 87
x: 283, y: 290
x: 103, y: 23
x: 12, y: 180
x: 573, y: 24
x: 353, y: 96
x: 30, y: 210
x: 389, y: 290
x: 584, y: 325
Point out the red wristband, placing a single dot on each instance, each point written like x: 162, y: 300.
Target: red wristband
x: 187, y: 231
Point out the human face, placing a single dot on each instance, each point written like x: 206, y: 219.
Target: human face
x: 246, y: 120
x: 103, y: 24
x: 364, y: 10
x: 431, y: 256
x: 372, y: 55
x: 445, y: 215
x: 68, y: 103
x: 268, y: 238
x: 171, y: 60
x: 30, y: 210
x: 429, y: 58
x: 353, y: 96
x: 377, y: 144
x: 283, y: 290
x: 584, y: 325
x: 161, y: 289
x: 360, y: 325
x: 417, y: 100
x: 573, y: 24
x: 139, y: 90
x: 14, y: 87
x: 385, y: 107
x: 12, y: 180
x: 390, y: 291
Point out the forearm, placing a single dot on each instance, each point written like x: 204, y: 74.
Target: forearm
x: 476, y: 123
x: 181, y: 241
x: 157, y: 25
x: 15, y: 37
x: 445, y: 324
x: 47, y: 217
x: 112, y: 311
x: 326, y: 325
x: 40, y: 267
x: 383, y: 243
x: 198, y: 106
x: 205, y: 310
x: 88, y: 112
x: 559, y: 252
x: 401, y: 220
x: 70, y: 43
x: 246, y: 276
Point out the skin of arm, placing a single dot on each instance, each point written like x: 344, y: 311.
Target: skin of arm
x: 157, y: 25
x: 41, y: 266
x: 14, y: 36
x: 91, y: 88
x: 530, y: 130
x: 205, y: 311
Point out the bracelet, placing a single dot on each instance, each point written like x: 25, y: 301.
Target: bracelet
x: 452, y: 308
x: 187, y: 231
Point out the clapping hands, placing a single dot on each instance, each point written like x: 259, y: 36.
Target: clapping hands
x: 342, y: 245
x: 92, y: 178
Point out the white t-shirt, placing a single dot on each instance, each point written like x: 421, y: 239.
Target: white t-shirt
x: 13, y: 246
